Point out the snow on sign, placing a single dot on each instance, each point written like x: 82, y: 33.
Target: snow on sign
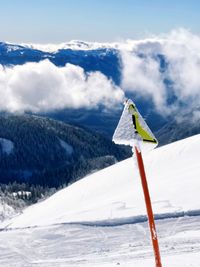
x: 132, y: 129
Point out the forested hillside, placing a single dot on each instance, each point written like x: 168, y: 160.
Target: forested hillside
x: 50, y: 153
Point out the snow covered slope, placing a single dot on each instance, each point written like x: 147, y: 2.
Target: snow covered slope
x: 6, y: 211
x: 114, y: 195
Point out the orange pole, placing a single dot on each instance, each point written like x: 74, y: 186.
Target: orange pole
x: 152, y: 226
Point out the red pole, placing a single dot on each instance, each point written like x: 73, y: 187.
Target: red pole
x: 149, y: 208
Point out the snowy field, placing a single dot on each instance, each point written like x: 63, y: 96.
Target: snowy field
x: 114, y: 195
x: 100, y: 220
x: 88, y: 246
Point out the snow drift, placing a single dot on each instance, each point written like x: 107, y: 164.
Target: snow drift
x: 114, y: 195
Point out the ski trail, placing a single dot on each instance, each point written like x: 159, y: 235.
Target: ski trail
x: 88, y: 246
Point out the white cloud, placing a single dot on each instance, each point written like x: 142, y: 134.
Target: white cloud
x: 43, y: 86
x: 181, y: 50
x: 142, y: 75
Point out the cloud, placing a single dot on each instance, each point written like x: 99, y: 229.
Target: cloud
x: 142, y: 75
x: 141, y: 71
x: 182, y: 51
x: 160, y: 68
x: 43, y: 86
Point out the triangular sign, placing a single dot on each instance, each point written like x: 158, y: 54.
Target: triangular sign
x: 132, y: 130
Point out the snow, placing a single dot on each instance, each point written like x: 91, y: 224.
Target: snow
x: 152, y: 44
x: 6, y: 211
x: 114, y: 195
x: 6, y: 145
x: 22, y: 193
x: 74, y: 45
x: 68, y: 148
x: 12, y: 47
x: 125, y: 131
x: 77, y: 245
x: 100, y: 220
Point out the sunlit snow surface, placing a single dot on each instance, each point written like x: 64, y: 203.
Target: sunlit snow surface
x: 114, y: 195
x: 89, y: 246
x: 100, y: 220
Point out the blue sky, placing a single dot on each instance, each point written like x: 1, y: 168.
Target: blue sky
x: 54, y: 21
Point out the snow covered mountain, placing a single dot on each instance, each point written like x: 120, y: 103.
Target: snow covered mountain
x: 85, y: 45
x: 96, y: 58
x: 173, y: 131
x: 128, y: 70
x: 114, y: 196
